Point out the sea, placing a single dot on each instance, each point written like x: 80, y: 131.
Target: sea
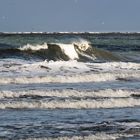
x: 70, y: 86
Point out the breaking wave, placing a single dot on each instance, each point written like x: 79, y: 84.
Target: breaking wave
x: 72, y: 78
x: 67, y: 93
x: 80, y: 50
x: 97, y: 136
x: 58, y: 51
x: 51, y: 99
x: 70, y: 103
x: 66, y: 72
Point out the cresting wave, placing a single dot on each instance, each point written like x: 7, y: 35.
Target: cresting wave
x: 78, y: 50
x: 57, y: 51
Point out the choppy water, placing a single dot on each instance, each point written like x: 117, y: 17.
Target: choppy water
x: 70, y: 86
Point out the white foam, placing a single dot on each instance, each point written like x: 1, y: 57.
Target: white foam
x: 108, y: 103
x: 118, y: 66
x: 66, y: 71
x: 69, y: 50
x: 82, y: 44
x: 70, y: 93
x: 130, y: 124
x: 69, y: 79
x: 97, y: 136
x: 34, y: 47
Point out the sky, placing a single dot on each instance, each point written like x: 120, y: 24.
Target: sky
x: 69, y: 15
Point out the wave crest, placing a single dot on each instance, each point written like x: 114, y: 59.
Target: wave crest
x: 34, y: 47
x: 59, y: 51
x: 80, y: 50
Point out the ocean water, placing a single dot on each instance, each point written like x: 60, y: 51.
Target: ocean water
x: 70, y: 86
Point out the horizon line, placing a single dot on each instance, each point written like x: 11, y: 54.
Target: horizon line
x: 82, y: 32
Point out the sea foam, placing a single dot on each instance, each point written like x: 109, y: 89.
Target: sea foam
x: 66, y: 93
x: 67, y: 72
x: 42, y: 104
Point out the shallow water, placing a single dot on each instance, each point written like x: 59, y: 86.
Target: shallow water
x: 34, y: 123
